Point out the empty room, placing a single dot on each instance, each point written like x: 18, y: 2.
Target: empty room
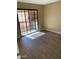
x: 38, y: 29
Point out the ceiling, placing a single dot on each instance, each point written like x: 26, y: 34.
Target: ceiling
x: 41, y: 2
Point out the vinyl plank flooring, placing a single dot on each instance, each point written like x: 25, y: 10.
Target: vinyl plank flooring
x: 47, y: 46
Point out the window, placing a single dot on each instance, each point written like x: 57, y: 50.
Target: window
x: 28, y: 20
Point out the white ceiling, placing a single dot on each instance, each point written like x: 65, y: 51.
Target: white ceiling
x: 41, y: 2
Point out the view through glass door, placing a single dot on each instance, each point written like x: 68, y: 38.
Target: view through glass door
x: 28, y: 20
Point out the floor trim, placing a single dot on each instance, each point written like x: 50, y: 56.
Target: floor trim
x: 54, y: 31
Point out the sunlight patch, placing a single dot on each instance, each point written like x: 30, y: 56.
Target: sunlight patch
x: 35, y: 35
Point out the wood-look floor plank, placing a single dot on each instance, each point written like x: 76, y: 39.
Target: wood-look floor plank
x: 47, y: 46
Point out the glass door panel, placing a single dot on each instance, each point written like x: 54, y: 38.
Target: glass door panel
x: 22, y: 22
x: 28, y: 21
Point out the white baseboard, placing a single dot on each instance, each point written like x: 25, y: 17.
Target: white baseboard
x: 54, y: 31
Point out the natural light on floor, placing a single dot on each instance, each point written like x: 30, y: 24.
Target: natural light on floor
x: 35, y: 35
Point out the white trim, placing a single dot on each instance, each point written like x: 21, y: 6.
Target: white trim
x: 56, y: 32
x: 53, y: 31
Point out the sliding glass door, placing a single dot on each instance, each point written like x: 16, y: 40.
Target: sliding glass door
x: 28, y: 20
